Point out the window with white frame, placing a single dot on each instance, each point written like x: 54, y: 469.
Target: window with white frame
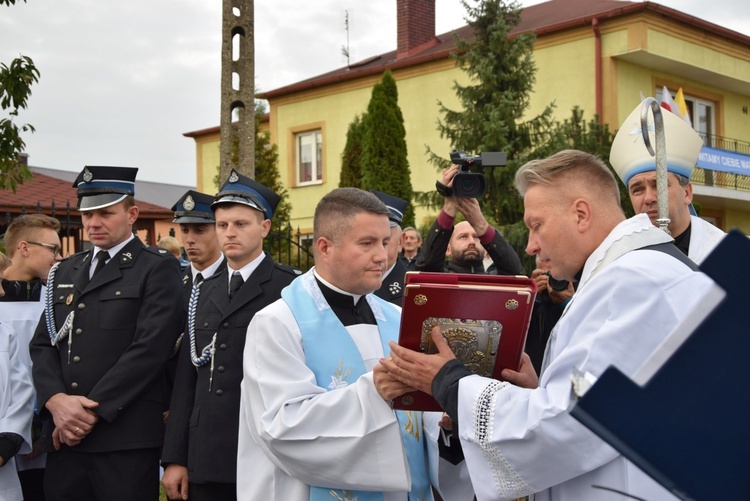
x: 702, y: 115
x: 309, y: 157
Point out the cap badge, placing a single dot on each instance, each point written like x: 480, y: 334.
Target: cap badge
x: 234, y: 177
x: 87, y: 175
x: 189, y: 203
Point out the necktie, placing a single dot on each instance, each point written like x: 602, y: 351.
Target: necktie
x: 101, y: 259
x: 235, y: 283
x: 198, y: 279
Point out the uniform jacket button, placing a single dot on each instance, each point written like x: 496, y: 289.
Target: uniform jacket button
x: 79, y: 331
x: 223, y: 346
x: 221, y: 368
x: 74, y: 385
x: 76, y: 359
x: 81, y: 306
x: 219, y: 393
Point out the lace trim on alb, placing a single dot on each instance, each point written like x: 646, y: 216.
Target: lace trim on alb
x: 508, y: 483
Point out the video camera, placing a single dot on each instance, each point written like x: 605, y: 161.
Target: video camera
x: 467, y: 184
x: 555, y: 284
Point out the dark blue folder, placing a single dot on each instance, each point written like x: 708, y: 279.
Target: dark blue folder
x: 689, y: 426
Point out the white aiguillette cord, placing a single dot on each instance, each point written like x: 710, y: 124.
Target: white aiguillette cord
x: 67, y: 326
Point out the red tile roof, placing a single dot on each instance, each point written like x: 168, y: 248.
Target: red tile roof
x: 547, y: 17
x: 44, y: 190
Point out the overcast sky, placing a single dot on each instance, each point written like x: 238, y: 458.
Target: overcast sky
x: 121, y: 81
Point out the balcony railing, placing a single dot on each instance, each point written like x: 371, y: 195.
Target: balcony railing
x: 707, y: 177
x: 726, y: 143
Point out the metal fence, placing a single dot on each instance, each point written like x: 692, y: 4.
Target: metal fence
x: 286, y: 246
x: 726, y: 143
x: 70, y: 226
x: 718, y: 179
x: 289, y: 247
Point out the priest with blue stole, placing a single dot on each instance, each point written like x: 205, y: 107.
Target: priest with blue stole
x: 312, y: 424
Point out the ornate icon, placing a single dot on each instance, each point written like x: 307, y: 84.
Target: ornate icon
x: 511, y: 304
x: 87, y: 175
x: 234, y: 177
x: 407, y: 400
x: 420, y: 300
x: 474, y: 342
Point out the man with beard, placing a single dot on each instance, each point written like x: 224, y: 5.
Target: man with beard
x: 467, y: 243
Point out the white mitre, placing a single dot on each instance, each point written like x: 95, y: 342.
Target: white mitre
x: 629, y: 155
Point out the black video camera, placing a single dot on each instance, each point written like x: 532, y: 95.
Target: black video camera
x: 467, y: 184
x: 555, y: 284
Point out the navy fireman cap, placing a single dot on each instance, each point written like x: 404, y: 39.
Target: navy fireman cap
x: 242, y: 190
x: 100, y: 186
x: 194, y: 208
x: 395, y: 205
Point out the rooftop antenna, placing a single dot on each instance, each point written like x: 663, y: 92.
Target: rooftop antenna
x: 345, y: 48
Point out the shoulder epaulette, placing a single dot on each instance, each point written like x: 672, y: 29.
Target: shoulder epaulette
x: 289, y: 269
x: 159, y: 251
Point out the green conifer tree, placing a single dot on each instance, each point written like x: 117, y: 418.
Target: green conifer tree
x: 493, y: 104
x: 384, y: 158
x: 351, y: 158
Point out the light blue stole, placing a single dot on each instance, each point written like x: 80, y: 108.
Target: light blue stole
x: 321, y: 331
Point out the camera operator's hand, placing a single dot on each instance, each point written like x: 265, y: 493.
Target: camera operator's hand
x: 469, y: 207
x: 541, y: 278
x: 449, y: 203
x: 561, y: 296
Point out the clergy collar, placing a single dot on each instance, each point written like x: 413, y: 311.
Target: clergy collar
x: 355, y: 297
x: 682, y: 241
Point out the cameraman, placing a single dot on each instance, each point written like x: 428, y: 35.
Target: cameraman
x: 467, y: 244
x: 551, y: 298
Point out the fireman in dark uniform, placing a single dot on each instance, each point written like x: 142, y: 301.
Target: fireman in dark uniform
x: 392, y: 287
x: 112, y: 317
x: 198, y: 234
x: 200, y: 447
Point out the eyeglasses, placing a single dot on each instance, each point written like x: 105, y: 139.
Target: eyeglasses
x: 53, y: 247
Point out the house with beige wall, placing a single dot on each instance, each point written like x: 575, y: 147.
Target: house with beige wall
x: 599, y: 55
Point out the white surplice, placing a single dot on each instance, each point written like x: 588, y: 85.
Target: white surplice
x: 16, y: 407
x: 293, y: 433
x: 22, y: 317
x: 703, y: 238
x: 519, y: 441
